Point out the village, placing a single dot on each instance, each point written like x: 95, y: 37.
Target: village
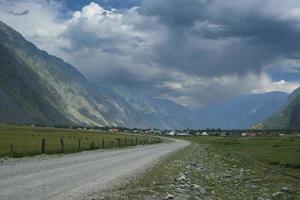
x: 207, y: 132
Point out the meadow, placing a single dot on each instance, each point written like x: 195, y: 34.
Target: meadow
x: 215, y: 167
x: 20, y: 141
x: 280, y: 153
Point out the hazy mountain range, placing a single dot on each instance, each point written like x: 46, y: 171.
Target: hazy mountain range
x: 242, y: 111
x: 36, y: 87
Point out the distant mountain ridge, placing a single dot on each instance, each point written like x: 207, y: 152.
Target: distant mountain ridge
x: 287, y: 118
x: 36, y: 87
x: 241, y: 111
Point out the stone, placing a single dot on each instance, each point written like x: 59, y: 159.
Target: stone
x: 179, y: 190
x: 193, y: 163
x: 285, y: 189
x: 181, y: 177
x: 198, y: 189
x: 169, y: 196
x: 276, y: 194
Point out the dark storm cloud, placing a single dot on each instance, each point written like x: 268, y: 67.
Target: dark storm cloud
x: 191, y: 51
x: 176, y: 13
x: 208, y: 38
x: 255, y: 28
x: 198, y: 38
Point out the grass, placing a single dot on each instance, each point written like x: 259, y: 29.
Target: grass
x: 278, y: 153
x: 20, y: 141
x: 227, y: 167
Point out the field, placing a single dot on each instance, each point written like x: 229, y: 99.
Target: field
x: 20, y: 141
x: 243, y: 168
x: 279, y: 153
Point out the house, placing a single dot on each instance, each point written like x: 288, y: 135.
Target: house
x: 223, y: 134
x: 183, y: 134
x: 247, y: 134
x: 149, y: 131
x: 113, y: 130
x: 171, y: 133
x: 204, y: 134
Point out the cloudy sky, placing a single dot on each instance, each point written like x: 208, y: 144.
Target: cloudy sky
x: 190, y: 51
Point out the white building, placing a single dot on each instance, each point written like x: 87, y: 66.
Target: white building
x: 171, y: 133
x: 204, y: 134
x: 183, y: 134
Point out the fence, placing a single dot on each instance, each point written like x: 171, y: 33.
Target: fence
x: 70, y: 144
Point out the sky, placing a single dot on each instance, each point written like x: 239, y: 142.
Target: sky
x: 193, y: 52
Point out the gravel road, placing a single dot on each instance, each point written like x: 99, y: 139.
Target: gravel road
x: 75, y: 176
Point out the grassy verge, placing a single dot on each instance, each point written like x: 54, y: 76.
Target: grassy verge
x: 221, y: 168
x: 20, y: 141
x: 276, y: 153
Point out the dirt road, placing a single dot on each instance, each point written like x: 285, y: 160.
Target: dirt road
x: 77, y: 175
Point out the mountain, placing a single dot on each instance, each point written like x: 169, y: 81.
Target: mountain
x: 240, y: 112
x: 287, y: 118
x: 151, y: 112
x: 36, y: 87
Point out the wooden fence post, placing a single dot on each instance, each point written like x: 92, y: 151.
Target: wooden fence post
x: 79, y: 144
x: 119, y: 142
x: 103, y: 143
x: 125, y: 141
x: 92, y: 146
x: 62, y: 145
x: 136, y: 140
x: 43, y: 146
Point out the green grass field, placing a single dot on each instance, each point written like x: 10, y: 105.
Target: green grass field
x: 20, y: 141
x: 274, y: 152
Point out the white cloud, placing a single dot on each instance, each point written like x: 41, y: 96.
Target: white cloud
x: 41, y: 25
x: 267, y: 85
x: 128, y: 48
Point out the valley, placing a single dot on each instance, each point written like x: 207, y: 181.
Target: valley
x: 149, y: 100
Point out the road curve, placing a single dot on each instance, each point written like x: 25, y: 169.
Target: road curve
x: 76, y: 175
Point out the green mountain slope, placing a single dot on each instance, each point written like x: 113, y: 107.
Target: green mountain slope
x: 287, y: 118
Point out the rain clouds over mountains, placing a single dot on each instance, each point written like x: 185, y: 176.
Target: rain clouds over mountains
x: 36, y: 87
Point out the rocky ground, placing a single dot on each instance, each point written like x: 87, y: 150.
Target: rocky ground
x: 200, y: 172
